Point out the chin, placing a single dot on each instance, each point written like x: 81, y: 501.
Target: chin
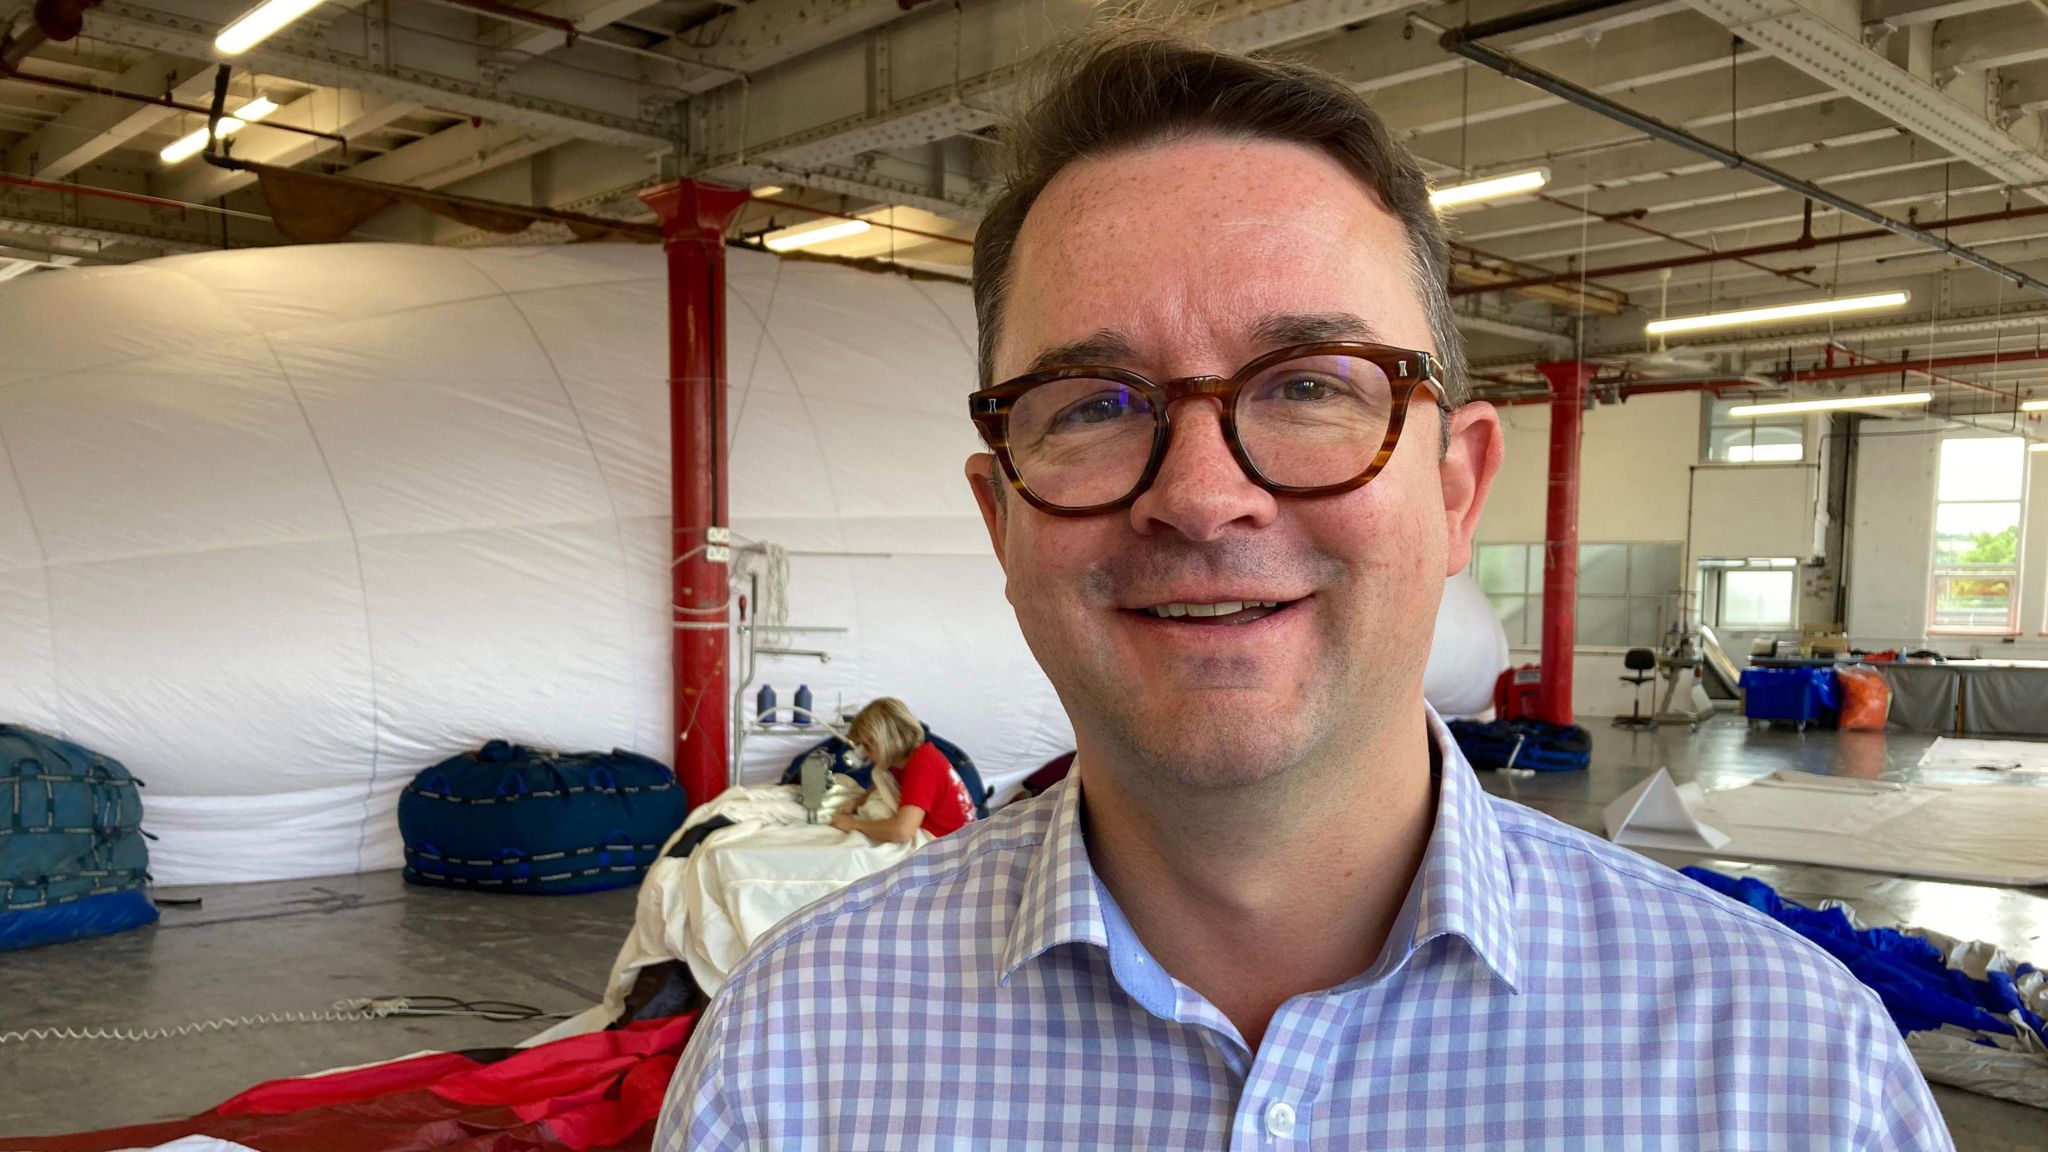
x: 1213, y: 751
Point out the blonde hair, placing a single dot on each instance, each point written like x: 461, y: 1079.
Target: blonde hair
x: 889, y: 725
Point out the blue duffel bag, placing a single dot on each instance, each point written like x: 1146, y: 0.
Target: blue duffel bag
x: 1524, y: 743
x: 508, y: 818
x: 73, y: 863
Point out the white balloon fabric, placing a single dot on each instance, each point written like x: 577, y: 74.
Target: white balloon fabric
x: 1468, y: 652
x: 279, y: 527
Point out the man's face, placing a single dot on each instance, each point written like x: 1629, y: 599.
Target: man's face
x: 1183, y: 252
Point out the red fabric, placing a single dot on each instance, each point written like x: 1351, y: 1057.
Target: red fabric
x: 589, y: 1093
x: 277, y: 1097
x: 929, y: 782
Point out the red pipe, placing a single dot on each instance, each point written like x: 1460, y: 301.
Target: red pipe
x: 1926, y: 367
x: 1855, y: 357
x: 1805, y: 242
x: 1647, y: 388
x: 1568, y: 381
x: 693, y: 222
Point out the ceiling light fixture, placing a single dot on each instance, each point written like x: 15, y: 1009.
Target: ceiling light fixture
x: 1799, y: 311
x: 260, y: 23
x: 803, y: 236
x: 769, y: 190
x: 1836, y: 404
x: 2038, y: 446
x: 190, y: 144
x: 1491, y: 188
x: 2035, y: 406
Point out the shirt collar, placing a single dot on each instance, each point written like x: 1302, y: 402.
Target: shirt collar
x: 1463, y: 889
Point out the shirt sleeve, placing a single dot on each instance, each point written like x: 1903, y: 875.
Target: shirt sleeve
x: 924, y: 778
x: 1901, y: 1109
x: 699, y: 1112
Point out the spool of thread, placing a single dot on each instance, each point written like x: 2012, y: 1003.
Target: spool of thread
x: 764, y: 704
x: 803, y: 704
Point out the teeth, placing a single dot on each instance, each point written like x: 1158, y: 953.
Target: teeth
x: 1227, y: 608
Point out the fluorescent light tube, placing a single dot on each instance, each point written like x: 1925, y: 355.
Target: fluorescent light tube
x: 769, y: 190
x: 2035, y: 406
x: 190, y: 144
x: 1777, y: 312
x: 260, y: 23
x: 1491, y: 188
x: 1836, y: 404
x: 2038, y: 446
x: 804, y: 236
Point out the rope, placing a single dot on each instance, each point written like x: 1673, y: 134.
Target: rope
x: 342, y: 1012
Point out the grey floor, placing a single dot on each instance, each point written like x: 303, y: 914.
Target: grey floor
x: 300, y: 945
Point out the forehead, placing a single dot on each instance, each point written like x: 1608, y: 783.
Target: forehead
x: 1184, y: 249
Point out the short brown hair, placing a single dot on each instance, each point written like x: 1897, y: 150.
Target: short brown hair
x: 891, y: 727
x: 1126, y: 86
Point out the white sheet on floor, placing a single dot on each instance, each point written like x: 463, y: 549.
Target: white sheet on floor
x: 1979, y: 834
x: 706, y: 909
x: 2027, y: 756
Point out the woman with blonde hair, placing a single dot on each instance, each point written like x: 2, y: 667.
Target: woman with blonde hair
x: 931, y: 795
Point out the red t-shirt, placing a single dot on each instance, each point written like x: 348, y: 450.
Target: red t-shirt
x: 928, y: 781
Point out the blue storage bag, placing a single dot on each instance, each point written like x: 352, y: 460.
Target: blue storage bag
x: 508, y: 818
x: 73, y: 863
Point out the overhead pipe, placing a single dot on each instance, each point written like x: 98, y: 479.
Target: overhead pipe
x: 1806, y: 241
x: 85, y: 89
x: 1568, y: 381
x: 694, y: 218
x: 1464, y: 42
x: 1624, y: 392
x: 1922, y: 366
x: 1632, y: 219
x: 1834, y: 346
x: 516, y: 15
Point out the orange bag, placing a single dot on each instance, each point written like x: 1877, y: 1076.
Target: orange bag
x: 1866, y: 698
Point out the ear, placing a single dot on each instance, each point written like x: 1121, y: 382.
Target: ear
x: 982, y: 477
x: 1470, y: 461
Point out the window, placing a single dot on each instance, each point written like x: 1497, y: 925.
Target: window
x: 1977, y: 534
x: 1627, y: 592
x: 1757, y: 594
x: 1757, y: 440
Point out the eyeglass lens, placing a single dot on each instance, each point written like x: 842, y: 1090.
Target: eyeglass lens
x: 1303, y: 423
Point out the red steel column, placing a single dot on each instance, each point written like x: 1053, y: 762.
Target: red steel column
x: 1568, y: 380
x: 693, y: 220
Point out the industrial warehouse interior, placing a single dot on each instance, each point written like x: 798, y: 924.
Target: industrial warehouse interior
x: 482, y: 498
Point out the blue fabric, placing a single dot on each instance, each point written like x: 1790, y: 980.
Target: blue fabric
x: 81, y: 919
x: 509, y: 818
x: 842, y: 753
x: 70, y: 832
x: 1909, y: 974
x: 1799, y: 694
x: 1543, y: 747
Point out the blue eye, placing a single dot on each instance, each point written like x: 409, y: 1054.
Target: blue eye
x: 1101, y: 408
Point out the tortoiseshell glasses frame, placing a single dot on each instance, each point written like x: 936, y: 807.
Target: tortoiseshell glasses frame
x: 1403, y: 370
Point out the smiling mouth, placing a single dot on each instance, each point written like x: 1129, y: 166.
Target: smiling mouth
x: 1227, y: 612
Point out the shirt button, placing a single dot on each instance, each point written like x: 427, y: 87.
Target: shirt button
x: 1280, y: 1119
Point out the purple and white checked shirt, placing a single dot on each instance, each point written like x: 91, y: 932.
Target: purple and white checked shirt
x: 1541, y: 989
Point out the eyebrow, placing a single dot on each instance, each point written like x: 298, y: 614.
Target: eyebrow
x: 1108, y: 347
x: 1103, y: 347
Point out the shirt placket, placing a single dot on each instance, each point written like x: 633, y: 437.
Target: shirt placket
x: 1278, y: 1107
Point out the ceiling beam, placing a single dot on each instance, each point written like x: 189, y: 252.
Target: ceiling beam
x: 939, y: 71
x: 97, y: 125
x: 1907, y: 13
x: 455, y: 153
x: 435, y: 69
x: 342, y: 111
x: 1825, y: 41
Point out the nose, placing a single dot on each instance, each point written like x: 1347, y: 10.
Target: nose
x: 1200, y: 491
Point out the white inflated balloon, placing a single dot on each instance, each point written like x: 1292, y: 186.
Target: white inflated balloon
x: 280, y: 527
x: 1468, y: 652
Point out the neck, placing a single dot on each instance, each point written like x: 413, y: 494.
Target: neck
x: 1252, y: 900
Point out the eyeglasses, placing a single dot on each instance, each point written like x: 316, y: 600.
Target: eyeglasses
x: 1306, y: 420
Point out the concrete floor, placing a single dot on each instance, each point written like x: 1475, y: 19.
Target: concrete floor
x: 300, y: 945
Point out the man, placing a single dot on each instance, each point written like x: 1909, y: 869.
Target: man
x: 1272, y: 906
